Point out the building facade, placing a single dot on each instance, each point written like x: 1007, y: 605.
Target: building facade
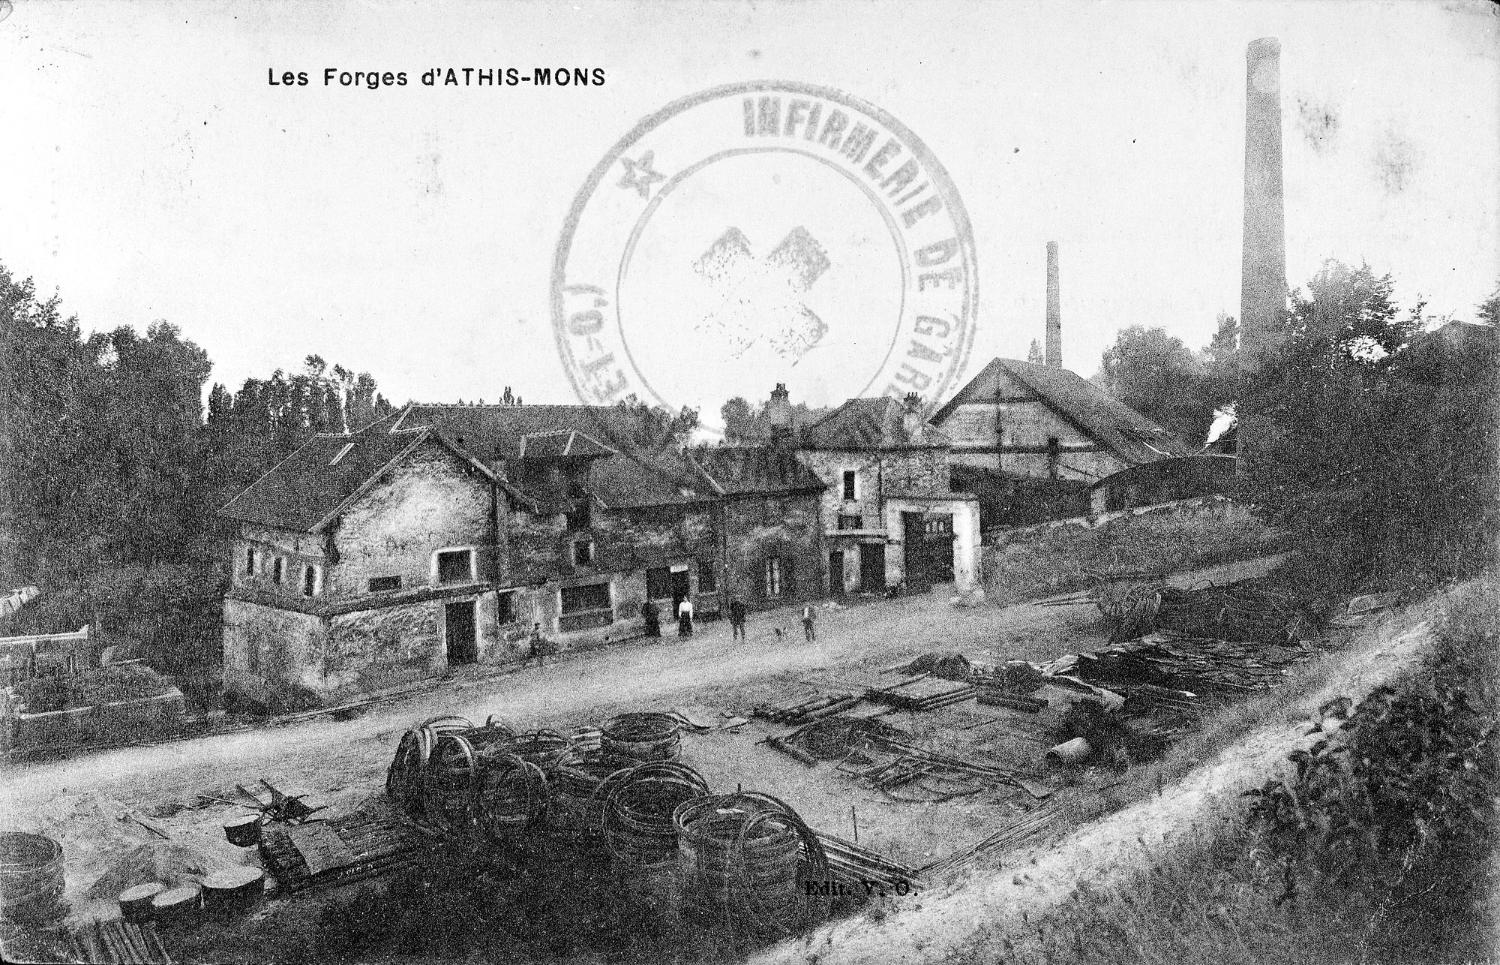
x: 442, y: 535
x: 1043, y: 421
x: 888, y: 513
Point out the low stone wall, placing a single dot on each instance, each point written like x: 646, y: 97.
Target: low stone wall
x: 110, y: 723
x: 1035, y: 561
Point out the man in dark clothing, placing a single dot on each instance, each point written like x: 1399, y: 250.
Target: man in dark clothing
x: 540, y: 646
x: 651, y: 619
x: 737, y: 619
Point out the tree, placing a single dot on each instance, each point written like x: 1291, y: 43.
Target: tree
x: 739, y: 421
x: 1161, y: 378
x: 1376, y: 448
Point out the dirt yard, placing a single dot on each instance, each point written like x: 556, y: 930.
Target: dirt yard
x: 80, y: 801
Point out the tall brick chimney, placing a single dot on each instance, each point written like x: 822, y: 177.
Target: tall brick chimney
x: 1054, y: 310
x: 1263, y: 289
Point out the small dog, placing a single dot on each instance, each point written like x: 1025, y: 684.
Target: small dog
x: 779, y: 634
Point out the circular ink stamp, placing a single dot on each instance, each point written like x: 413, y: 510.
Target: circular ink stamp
x: 758, y: 233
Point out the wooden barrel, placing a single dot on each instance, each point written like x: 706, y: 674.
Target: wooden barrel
x: 176, y: 904
x: 233, y: 885
x: 135, y: 903
x: 243, y: 832
x: 31, y: 879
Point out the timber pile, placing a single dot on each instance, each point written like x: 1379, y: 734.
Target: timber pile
x: 924, y: 693
x: 1048, y: 817
x: 808, y: 708
x: 1193, y: 665
x: 117, y: 942
x: 1240, y: 612
x: 350, y: 848
x: 850, y: 863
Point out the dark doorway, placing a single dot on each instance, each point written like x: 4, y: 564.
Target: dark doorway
x: 929, y: 549
x: 460, y: 632
x: 872, y: 567
x: 836, y: 573
x: 679, y: 588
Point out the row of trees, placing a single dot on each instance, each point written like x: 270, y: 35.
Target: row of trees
x: 110, y: 474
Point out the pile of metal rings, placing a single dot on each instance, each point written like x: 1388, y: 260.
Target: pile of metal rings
x: 641, y: 737
x: 740, y: 857
x: 638, y: 808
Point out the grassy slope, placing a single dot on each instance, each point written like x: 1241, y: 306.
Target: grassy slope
x: 1170, y: 878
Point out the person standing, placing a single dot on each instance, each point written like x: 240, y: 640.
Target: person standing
x: 808, y: 615
x: 737, y: 619
x: 685, y: 618
x: 651, y: 619
x: 540, y: 646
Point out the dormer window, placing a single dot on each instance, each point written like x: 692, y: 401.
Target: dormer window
x: 583, y: 552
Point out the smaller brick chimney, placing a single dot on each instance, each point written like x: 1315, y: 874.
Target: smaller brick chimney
x: 779, y: 413
x: 912, y: 422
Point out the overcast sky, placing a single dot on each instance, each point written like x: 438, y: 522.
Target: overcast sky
x: 152, y: 173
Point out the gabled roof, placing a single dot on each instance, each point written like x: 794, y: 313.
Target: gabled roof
x: 561, y: 444
x: 868, y: 424
x: 313, y: 484
x: 1093, y: 411
x: 622, y: 473
x: 497, y: 431
x: 755, y: 470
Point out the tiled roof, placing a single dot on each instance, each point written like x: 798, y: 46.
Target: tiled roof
x: 868, y: 424
x: 558, y: 444
x: 748, y: 470
x: 622, y: 473
x: 305, y: 487
x: 1106, y: 419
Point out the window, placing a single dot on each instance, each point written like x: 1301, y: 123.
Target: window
x: 851, y: 521
x: 592, y: 596
x: 708, y: 577
x: 850, y: 479
x: 309, y: 581
x: 276, y: 569
x: 579, y: 518
x: 773, y: 577
x: 583, y: 552
x: 249, y: 561
x: 505, y: 608
x: 380, y: 584
x: 455, y: 566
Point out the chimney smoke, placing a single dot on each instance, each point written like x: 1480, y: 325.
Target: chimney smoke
x: 1054, y: 310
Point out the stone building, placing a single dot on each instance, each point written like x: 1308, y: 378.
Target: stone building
x: 1043, y: 421
x: 442, y: 534
x: 888, y: 513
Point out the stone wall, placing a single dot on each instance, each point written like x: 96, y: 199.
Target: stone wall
x: 294, y: 549
x: 1037, y: 561
x: 270, y: 652
x: 433, y: 500
x: 830, y: 467
x: 757, y: 528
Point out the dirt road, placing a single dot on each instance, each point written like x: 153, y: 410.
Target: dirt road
x: 345, y: 761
